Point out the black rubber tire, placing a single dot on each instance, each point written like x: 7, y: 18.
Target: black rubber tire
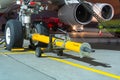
x: 16, y: 34
x: 38, y: 52
x: 41, y: 30
x: 60, y: 53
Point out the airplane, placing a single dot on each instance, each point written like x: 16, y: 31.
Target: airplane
x: 65, y: 7
x: 37, y: 15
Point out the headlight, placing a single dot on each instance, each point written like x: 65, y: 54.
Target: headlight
x: 74, y: 27
x: 82, y: 28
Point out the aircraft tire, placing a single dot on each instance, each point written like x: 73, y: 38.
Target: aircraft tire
x: 13, y: 34
x: 41, y: 29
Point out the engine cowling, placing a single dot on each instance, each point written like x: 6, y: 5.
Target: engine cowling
x: 63, y: 2
x: 104, y: 10
x: 74, y: 14
x: 5, y: 5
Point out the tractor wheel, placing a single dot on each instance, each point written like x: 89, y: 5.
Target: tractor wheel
x: 41, y: 30
x: 38, y: 52
x: 60, y: 53
x: 13, y: 34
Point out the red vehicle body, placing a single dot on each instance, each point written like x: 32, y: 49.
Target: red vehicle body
x: 52, y: 23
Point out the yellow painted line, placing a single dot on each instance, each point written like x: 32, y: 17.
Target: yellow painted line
x: 15, y: 50
x: 13, y: 53
x: 85, y: 67
x: 73, y: 64
x: 26, y: 52
x: 18, y: 49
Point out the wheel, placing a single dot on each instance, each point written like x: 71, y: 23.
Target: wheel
x: 38, y: 52
x: 38, y: 28
x: 13, y: 34
x: 60, y: 53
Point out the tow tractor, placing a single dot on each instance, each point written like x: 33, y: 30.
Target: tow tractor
x: 16, y: 30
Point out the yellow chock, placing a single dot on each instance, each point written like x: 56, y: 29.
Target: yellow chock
x: 17, y: 49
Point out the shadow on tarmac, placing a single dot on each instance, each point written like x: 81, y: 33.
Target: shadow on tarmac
x: 88, y: 60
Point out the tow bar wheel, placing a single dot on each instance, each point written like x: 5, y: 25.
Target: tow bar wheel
x: 13, y: 34
x: 38, y: 52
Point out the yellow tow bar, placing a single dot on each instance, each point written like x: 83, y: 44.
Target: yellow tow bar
x: 84, y: 49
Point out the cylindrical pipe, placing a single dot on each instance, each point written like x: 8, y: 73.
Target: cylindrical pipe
x: 82, y: 48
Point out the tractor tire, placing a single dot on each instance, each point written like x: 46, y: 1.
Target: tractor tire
x: 38, y: 28
x: 38, y: 52
x: 13, y: 34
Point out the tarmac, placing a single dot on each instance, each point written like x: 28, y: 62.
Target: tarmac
x: 22, y: 64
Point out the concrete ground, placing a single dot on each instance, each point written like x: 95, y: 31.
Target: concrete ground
x: 24, y: 65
